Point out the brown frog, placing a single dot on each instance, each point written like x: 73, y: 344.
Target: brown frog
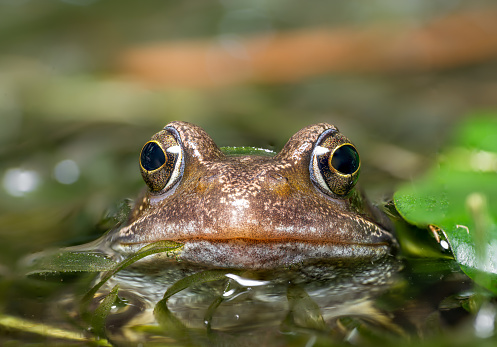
x: 253, y: 211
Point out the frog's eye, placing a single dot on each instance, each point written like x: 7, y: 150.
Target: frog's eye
x: 335, y: 163
x: 161, y: 161
x: 153, y: 156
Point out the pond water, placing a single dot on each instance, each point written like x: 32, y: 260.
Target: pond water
x: 240, y: 305
x: 72, y: 124
x: 396, y: 299
x: 362, y: 302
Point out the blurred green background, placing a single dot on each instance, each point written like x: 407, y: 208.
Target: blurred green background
x: 73, y: 116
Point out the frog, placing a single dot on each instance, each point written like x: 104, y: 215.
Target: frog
x: 254, y: 211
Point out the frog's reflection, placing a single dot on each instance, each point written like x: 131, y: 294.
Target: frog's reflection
x: 195, y: 305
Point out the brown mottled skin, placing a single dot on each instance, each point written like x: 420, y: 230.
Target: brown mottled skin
x: 253, y: 211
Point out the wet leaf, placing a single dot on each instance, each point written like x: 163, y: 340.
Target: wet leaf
x: 304, y: 311
x: 67, y: 261
x: 172, y: 325
x: 153, y: 248
x: 210, y: 312
x: 459, y: 196
x: 102, y: 311
x: 48, y: 331
x: 169, y: 322
x: 197, y: 278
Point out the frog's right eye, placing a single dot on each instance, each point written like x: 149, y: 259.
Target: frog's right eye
x: 161, y: 161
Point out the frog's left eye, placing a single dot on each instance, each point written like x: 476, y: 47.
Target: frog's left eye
x: 161, y: 161
x: 335, y: 163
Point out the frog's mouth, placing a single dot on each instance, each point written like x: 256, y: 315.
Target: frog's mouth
x: 264, y: 254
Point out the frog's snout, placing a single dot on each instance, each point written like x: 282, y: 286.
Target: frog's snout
x: 245, y: 183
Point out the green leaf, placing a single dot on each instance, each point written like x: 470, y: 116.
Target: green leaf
x: 102, y: 311
x: 167, y: 321
x: 153, y: 248
x: 248, y: 151
x: 304, y: 311
x: 161, y: 311
x: 49, y: 331
x: 459, y: 196
x: 68, y: 261
x: 477, y: 132
x: 197, y: 278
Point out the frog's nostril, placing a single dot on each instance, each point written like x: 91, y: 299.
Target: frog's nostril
x: 277, y: 183
x: 276, y: 177
x: 204, y: 183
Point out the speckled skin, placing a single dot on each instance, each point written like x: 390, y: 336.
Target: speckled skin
x: 252, y: 211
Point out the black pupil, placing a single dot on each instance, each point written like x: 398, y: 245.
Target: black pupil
x: 345, y: 160
x: 152, y: 156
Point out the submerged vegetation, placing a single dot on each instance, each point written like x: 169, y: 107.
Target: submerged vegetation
x: 354, y: 301
x: 84, y: 82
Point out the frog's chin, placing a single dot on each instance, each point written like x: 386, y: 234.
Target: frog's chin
x: 254, y: 254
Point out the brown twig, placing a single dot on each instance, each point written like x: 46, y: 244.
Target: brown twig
x: 446, y: 42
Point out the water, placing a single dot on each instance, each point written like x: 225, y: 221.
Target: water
x: 358, y: 302
x: 391, y: 301
x: 71, y: 131
x: 222, y: 306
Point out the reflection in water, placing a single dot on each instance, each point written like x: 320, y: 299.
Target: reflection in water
x: 194, y: 305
